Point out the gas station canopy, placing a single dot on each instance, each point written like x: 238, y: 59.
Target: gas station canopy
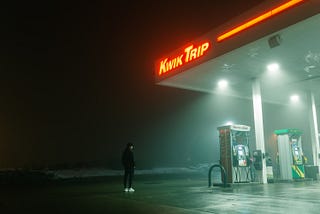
x: 277, y: 42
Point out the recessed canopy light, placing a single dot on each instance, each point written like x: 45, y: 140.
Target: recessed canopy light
x: 229, y: 123
x: 294, y: 98
x: 223, y: 84
x: 273, y: 67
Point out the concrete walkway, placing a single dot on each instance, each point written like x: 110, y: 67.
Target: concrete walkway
x: 161, y: 194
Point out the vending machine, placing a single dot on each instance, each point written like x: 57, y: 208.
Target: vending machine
x: 234, y: 152
x: 290, y: 154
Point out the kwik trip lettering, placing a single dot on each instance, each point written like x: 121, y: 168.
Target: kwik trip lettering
x: 196, y: 51
x: 189, y: 54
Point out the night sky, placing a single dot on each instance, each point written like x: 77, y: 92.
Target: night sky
x: 77, y: 80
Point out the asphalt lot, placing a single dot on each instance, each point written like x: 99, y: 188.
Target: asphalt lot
x: 160, y: 194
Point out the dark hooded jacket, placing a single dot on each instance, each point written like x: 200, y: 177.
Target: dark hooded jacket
x: 128, y: 158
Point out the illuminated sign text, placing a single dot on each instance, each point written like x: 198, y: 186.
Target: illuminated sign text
x: 190, y: 53
x: 194, y: 52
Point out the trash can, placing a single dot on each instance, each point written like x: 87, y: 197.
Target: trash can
x: 269, y: 170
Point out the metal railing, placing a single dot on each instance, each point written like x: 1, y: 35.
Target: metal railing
x: 224, y: 174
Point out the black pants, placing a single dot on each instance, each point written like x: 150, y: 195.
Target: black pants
x: 128, y: 176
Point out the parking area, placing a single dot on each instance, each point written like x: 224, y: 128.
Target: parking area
x: 161, y: 194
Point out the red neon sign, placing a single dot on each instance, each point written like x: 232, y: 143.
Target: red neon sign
x: 258, y: 19
x: 189, y: 54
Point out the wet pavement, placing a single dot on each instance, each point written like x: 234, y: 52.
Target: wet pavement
x: 161, y: 194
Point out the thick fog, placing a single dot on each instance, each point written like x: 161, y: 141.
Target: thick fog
x: 183, y: 131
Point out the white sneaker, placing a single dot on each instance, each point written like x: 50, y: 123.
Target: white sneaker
x: 126, y: 189
x: 131, y: 190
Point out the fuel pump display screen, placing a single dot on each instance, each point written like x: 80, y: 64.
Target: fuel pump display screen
x: 297, y: 154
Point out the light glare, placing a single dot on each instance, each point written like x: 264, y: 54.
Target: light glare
x: 273, y: 67
x: 223, y: 84
x: 294, y: 98
x: 229, y: 123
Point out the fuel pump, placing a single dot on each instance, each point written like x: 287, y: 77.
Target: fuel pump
x: 290, y: 155
x: 234, y: 152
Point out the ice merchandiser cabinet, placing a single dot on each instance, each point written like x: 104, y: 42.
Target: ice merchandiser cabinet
x: 234, y: 152
x: 289, y: 154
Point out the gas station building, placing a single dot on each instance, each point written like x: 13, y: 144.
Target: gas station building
x: 269, y: 54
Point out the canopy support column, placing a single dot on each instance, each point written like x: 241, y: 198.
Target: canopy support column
x: 258, y: 124
x: 314, y: 130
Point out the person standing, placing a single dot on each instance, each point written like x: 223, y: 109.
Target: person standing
x: 129, y: 165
